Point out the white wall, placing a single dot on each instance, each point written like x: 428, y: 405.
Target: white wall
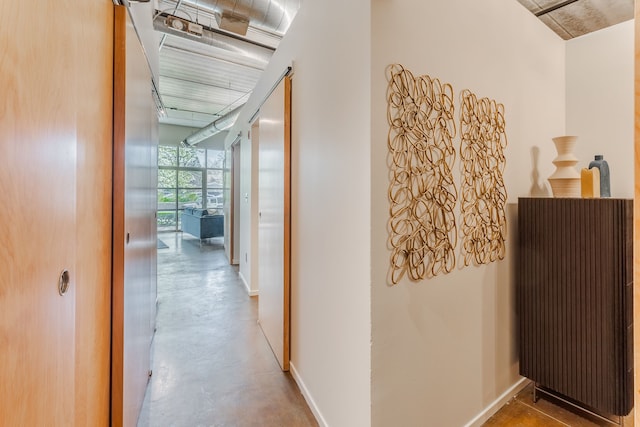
x: 600, y: 103
x: 140, y: 14
x: 249, y: 211
x: 173, y: 134
x: 444, y: 349
x: 329, y: 44
x: 245, y: 212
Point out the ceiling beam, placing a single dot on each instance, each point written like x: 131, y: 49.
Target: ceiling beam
x: 555, y: 7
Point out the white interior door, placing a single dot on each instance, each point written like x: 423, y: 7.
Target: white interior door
x: 274, y: 197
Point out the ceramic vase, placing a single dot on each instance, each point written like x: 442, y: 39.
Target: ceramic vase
x: 565, y: 181
x: 605, y: 184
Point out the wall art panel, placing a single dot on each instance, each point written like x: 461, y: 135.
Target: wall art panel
x: 483, y: 195
x: 422, y: 193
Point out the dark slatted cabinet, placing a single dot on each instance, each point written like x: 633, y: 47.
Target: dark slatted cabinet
x: 574, y: 299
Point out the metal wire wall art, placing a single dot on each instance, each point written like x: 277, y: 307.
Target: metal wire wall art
x: 483, y: 194
x: 422, y: 193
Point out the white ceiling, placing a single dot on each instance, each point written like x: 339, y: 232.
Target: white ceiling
x: 574, y: 18
x: 203, y: 78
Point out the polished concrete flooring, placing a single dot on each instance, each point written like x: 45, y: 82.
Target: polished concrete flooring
x: 546, y: 412
x: 213, y: 367
x: 211, y: 364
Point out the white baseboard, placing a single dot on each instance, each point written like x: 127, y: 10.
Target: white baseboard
x: 307, y: 396
x: 234, y: 261
x: 246, y: 285
x: 495, y: 406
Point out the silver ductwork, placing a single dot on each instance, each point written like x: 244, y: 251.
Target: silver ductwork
x: 218, y: 40
x: 220, y: 24
x: 217, y: 126
x: 270, y: 15
x: 127, y: 3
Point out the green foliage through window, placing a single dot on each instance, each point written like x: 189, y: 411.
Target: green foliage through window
x: 167, y: 156
x: 185, y: 175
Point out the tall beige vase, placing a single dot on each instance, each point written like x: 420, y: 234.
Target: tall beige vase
x: 565, y: 181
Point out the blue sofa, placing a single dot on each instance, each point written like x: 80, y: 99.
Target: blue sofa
x: 200, y: 224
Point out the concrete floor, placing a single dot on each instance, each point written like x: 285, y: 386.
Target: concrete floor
x: 212, y: 365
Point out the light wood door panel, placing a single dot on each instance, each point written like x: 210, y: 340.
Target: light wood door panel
x: 37, y: 219
x: 93, y: 219
x: 134, y: 226
x: 55, y: 182
x: 274, y: 197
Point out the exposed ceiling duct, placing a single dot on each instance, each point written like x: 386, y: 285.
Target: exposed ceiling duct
x: 229, y: 21
x: 215, y: 38
x: 270, y: 15
x: 127, y: 3
x: 217, y: 126
x: 206, y: 67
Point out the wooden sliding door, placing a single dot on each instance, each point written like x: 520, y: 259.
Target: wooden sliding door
x: 94, y: 211
x: 274, y: 229
x: 134, y: 233
x: 55, y: 191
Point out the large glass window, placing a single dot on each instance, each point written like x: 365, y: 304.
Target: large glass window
x: 215, y: 159
x: 192, y: 157
x: 188, y: 177
x: 167, y: 156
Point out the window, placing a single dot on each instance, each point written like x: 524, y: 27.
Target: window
x: 188, y: 177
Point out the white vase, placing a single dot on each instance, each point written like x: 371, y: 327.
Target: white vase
x: 565, y: 181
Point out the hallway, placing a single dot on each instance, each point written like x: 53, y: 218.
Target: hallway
x: 212, y: 365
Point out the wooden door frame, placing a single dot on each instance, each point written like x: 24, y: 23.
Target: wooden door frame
x: 119, y: 116
x: 287, y: 223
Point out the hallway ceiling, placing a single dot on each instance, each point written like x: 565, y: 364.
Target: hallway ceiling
x: 207, y: 71
x: 574, y: 18
x: 207, y: 75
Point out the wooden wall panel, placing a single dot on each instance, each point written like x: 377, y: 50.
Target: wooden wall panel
x: 55, y: 143
x: 636, y: 228
x: 37, y: 219
x: 94, y: 185
x: 134, y: 232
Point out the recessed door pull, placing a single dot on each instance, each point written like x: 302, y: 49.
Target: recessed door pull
x: 63, y: 282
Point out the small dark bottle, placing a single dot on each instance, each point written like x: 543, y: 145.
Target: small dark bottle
x: 605, y: 184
